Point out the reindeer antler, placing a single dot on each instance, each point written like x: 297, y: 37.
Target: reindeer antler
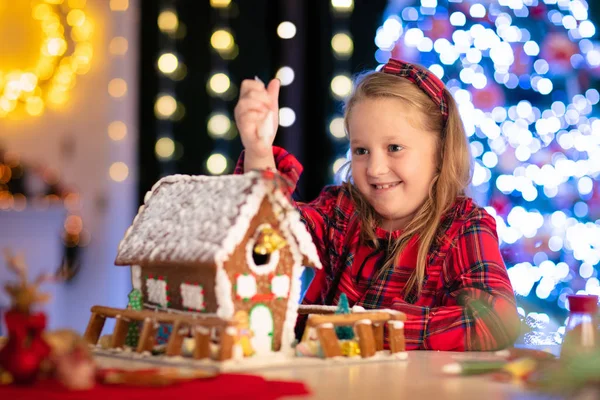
x: 17, y: 264
x: 24, y: 294
x: 43, y: 278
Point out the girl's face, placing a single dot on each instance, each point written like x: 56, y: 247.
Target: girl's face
x: 393, y: 160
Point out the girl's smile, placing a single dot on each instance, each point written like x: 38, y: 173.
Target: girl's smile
x: 385, y: 186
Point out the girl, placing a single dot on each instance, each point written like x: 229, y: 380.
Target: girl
x: 400, y: 234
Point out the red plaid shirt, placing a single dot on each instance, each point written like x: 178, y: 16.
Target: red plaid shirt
x: 467, y: 301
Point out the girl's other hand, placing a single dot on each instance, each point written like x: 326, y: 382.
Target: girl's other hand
x: 251, y: 112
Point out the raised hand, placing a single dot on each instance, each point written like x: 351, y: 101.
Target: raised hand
x: 256, y: 117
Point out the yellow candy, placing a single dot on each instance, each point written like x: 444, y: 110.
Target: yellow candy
x: 268, y: 240
x: 521, y: 367
x: 350, y: 348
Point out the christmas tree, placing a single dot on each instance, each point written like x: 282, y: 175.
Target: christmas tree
x: 343, y: 332
x: 134, y: 303
x: 522, y: 73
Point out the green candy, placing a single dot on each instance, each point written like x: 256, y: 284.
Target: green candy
x: 135, y: 303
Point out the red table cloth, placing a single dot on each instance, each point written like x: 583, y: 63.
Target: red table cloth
x: 224, y: 386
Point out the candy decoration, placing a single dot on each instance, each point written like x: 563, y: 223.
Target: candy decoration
x: 350, y: 348
x: 343, y: 332
x: 133, y: 332
x: 268, y: 240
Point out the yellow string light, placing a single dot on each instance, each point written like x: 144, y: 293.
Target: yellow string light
x: 168, y: 21
x: 65, y: 51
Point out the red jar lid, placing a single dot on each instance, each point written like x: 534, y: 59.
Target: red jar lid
x: 583, y: 303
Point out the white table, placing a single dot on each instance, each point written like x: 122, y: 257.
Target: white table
x: 419, y: 377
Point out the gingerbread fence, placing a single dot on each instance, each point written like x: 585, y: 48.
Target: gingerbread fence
x: 200, y: 326
x: 369, y: 327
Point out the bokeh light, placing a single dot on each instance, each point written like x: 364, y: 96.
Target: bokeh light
x: 286, y: 30
x: 118, y: 171
x: 534, y: 135
x: 216, y: 164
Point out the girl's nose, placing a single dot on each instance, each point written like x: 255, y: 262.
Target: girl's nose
x: 377, y: 166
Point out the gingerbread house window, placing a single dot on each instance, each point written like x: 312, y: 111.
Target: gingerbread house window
x: 192, y: 296
x: 261, y: 264
x: 245, y: 286
x: 260, y: 259
x: 262, y: 251
x: 280, y: 286
x: 157, y: 291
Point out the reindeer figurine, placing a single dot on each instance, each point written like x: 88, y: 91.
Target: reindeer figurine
x: 25, y: 349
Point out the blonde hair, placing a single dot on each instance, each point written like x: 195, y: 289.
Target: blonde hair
x: 453, y: 174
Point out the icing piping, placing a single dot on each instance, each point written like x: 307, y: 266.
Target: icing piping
x: 136, y: 277
x: 245, y: 286
x: 192, y: 296
x: 280, y: 286
x: 223, y: 294
x: 157, y: 291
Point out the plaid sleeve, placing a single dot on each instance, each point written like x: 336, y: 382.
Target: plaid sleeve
x: 479, y: 309
x: 286, y: 164
x: 318, y: 218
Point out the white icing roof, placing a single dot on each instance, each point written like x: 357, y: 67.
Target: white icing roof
x: 202, y: 219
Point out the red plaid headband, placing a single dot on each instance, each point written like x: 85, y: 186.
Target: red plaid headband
x: 424, y: 79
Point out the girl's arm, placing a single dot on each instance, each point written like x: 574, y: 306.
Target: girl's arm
x: 479, y: 311
x: 285, y: 163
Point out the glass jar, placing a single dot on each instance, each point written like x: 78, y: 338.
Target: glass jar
x: 581, y: 331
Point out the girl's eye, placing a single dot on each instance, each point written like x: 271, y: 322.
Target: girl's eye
x: 394, y: 147
x: 359, y: 151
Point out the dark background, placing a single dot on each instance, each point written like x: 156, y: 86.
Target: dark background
x: 253, y: 24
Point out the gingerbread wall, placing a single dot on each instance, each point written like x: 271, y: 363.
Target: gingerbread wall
x: 176, y: 275
x: 237, y: 265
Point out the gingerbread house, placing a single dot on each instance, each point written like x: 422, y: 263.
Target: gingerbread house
x: 232, y: 246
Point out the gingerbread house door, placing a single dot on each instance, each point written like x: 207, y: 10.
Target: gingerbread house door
x: 261, y: 324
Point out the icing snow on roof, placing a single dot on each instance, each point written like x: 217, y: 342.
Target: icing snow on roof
x: 201, y: 219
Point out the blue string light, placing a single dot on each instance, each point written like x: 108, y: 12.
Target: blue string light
x: 520, y: 71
